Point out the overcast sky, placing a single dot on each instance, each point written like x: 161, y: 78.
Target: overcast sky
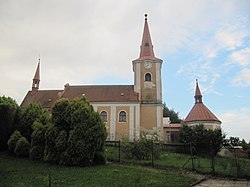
x: 95, y: 41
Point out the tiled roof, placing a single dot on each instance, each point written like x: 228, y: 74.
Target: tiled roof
x: 200, y: 112
x: 172, y: 125
x: 44, y: 97
x: 102, y: 93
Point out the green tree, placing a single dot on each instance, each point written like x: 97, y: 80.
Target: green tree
x: 77, y: 136
x: 33, y: 112
x: 22, y: 147
x: 9, y: 119
x: 37, y: 141
x: 202, y: 139
x: 16, y: 135
x: 174, y: 116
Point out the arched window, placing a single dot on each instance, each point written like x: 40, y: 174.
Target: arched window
x: 104, y: 116
x: 147, y: 77
x: 122, y: 116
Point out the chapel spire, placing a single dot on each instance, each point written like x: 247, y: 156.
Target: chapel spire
x: 146, y: 44
x: 36, y: 79
x: 198, y: 96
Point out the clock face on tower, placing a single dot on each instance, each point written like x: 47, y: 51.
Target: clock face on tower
x: 148, y: 65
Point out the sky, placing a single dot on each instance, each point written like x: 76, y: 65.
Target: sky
x: 84, y: 42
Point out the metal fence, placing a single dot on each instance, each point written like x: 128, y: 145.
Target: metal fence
x: 183, y: 156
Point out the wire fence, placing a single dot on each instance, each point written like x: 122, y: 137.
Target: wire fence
x: 200, y: 157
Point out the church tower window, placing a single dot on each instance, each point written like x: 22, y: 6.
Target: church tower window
x: 147, y: 77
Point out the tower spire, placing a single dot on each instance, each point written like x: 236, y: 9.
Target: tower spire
x: 198, y: 96
x: 36, y: 79
x: 146, y: 44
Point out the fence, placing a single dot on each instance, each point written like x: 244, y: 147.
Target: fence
x: 199, y: 157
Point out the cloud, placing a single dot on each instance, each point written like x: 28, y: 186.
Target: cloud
x: 236, y: 123
x: 240, y: 57
x: 242, y: 78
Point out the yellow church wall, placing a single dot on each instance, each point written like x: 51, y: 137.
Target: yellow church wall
x: 148, y: 117
x: 122, y: 128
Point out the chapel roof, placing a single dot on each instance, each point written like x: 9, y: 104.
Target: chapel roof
x: 200, y: 112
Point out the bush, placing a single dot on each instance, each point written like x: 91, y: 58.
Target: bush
x: 22, y: 147
x: 141, y: 149
x: 36, y: 153
x: 33, y: 112
x: 50, y: 153
x: 9, y: 119
x: 99, y: 159
x: 76, y: 135
x: 13, y: 140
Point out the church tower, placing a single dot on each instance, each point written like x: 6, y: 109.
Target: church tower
x: 147, y: 82
x: 36, y: 80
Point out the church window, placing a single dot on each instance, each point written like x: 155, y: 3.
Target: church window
x: 147, y: 77
x: 104, y: 116
x: 122, y: 116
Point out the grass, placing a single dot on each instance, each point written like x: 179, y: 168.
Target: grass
x: 23, y: 172
x: 223, y: 166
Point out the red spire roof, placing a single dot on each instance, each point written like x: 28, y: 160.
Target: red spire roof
x: 146, y: 44
x: 37, y: 74
x: 200, y: 112
x: 146, y: 48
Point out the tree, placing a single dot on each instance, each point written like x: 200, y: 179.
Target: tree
x: 9, y: 119
x: 33, y: 112
x: 37, y: 141
x: 174, y: 116
x: 202, y: 139
x: 77, y: 136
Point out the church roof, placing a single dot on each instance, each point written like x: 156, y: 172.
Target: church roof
x: 93, y: 93
x: 146, y: 48
x: 44, y: 97
x: 200, y: 112
x: 102, y: 93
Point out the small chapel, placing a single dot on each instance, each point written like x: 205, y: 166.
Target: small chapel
x: 127, y: 110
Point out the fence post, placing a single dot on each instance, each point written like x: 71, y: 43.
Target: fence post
x: 236, y: 162
x: 192, y: 158
x: 212, y: 157
x: 152, y: 151
x: 119, y: 143
x: 49, y: 177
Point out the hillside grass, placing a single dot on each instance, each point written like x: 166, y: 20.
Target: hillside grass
x: 225, y: 167
x: 23, y: 172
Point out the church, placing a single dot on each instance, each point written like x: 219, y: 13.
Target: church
x: 127, y: 110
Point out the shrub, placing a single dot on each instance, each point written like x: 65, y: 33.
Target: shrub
x: 22, y: 147
x: 9, y: 119
x: 76, y: 135
x: 33, y: 112
x: 141, y: 149
x: 99, y: 158
x: 13, y: 140
x: 50, y: 153
x: 36, y: 153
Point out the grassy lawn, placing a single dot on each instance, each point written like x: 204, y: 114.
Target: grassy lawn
x: 23, y: 172
x: 223, y: 166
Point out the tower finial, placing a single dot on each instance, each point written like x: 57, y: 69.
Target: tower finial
x: 146, y: 17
